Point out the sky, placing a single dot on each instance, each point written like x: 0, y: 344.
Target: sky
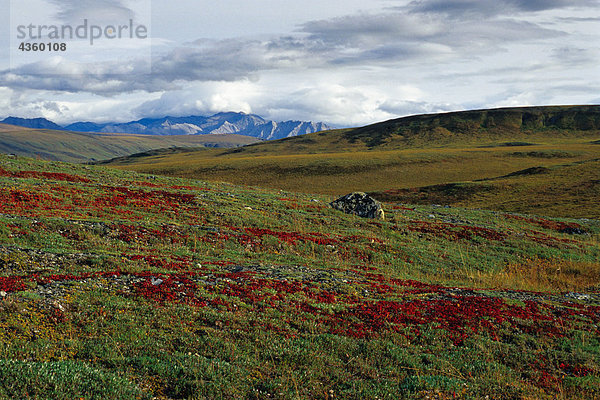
x: 342, y: 62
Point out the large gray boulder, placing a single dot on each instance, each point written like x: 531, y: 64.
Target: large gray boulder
x: 360, y: 204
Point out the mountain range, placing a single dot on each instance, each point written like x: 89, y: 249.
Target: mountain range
x: 221, y: 123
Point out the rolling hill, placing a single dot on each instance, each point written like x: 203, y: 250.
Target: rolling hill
x: 421, y: 151
x: 468, y: 127
x: 84, y: 147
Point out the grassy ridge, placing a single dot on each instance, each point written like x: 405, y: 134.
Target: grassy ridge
x: 467, y: 127
x: 83, y: 147
x: 119, y: 285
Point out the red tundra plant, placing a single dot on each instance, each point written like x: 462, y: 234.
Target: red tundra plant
x: 548, y: 224
x: 290, y: 237
x: 544, y: 374
x: 460, y: 316
x: 26, y: 200
x: 57, y: 176
x: 177, y: 263
x: 12, y: 284
x: 455, y: 232
x: 44, y: 280
x: 575, y: 370
x: 131, y: 233
x: 125, y: 197
x: 169, y: 288
x: 548, y: 240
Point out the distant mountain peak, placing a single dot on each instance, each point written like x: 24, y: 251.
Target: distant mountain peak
x: 220, y: 123
x: 35, y: 123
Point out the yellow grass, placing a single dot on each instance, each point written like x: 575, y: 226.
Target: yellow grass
x: 330, y: 173
x: 543, y: 275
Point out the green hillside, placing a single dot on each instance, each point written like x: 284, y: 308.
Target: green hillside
x: 116, y: 285
x: 467, y: 127
x: 415, y: 152
x: 84, y: 147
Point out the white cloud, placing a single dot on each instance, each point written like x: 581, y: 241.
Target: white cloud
x: 460, y: 8
x: 102, y: 12
x: 203, y: 99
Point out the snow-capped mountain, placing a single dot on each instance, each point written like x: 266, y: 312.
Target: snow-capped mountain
x: 222, y: 123
x: 277, y: 130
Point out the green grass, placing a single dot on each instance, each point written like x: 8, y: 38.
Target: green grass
x: 62, y: 380
x: 272, y: 294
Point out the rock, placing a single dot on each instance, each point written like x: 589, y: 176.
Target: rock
x: 156, y: 282
x: 573, y: 231
x: 360, y: 204
x: 59, y: 306
x: 578, y: 296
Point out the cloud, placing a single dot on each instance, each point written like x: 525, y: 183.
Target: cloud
x: 62, y: 75
x: 575, y: 56
x: 223, y: 60
x: 308, y: 98
x: 578, y: 19
x: 202, y: 99
x: 404, y: 107
x: 372, y: 29
x: 490, y: 8
x: 360, y: 39
x: 96, y: 11
x: 337, y: 103
x: 408, y: 36
x: 28, y: 105
x: 69, y: 107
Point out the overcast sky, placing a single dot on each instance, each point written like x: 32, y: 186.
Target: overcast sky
x: 343, y: 62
